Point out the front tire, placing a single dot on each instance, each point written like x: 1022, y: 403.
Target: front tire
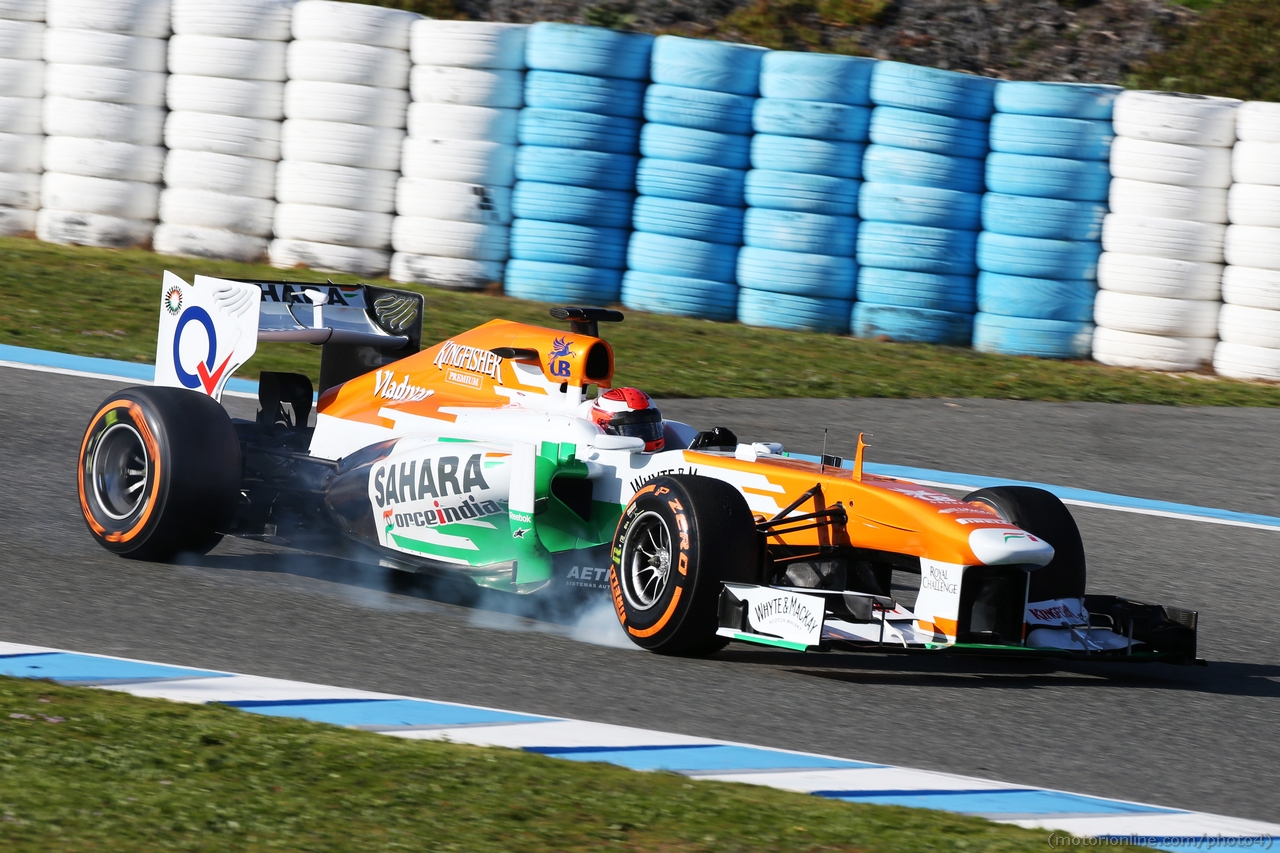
x: 1042, y: 514
x: 159, y: 472
x: 679, y: 539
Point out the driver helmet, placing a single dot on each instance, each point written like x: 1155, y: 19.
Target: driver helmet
x: 629, y: 411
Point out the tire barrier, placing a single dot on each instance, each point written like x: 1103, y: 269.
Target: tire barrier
x: 911, y: 324
x: 101, y: 179
x: 454, y: 203
x: 695, y: 148
x: 22, y: 69
x: 575, y: 169
x: 1161, y: 272
x: 1031, y: 336
x: 1042, y: 218
x: 226, y: 100
x: 691, y: 177
x: 920, y: 204
x: 1249, y: 325
x: 796, y: 313
x: 801, y: 228
x: 345, y: 109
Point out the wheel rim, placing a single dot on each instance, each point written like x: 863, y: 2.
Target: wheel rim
x: 646, y: 560
x: 119, y: 471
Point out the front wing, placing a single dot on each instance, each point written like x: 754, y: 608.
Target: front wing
x: 804, y: 619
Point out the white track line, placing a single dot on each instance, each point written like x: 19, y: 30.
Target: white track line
x: 937, y: 484
x: 85, y: 374
x: 1159, y: 513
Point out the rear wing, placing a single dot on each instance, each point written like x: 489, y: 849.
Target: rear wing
x: 209, y: 328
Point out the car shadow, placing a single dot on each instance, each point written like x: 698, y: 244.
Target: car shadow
x: 945, y: 669
x: 869, y: 668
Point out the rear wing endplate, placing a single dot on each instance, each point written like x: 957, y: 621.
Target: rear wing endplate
x: 211, y: 327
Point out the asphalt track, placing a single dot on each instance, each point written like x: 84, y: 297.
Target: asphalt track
x: 1190, y: 737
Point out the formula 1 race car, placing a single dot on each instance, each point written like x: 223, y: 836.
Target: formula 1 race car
x: 505, y: 455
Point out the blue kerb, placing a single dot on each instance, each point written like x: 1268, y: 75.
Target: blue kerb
x: 66, y: 666
x: 63, y: 361
x: 704, y: 758
x: 384, y: 712
x: 998, y: 801
x: 905, y: 472
x: 686, y: 758
x: 104, y: 366
x: 1086, y: 495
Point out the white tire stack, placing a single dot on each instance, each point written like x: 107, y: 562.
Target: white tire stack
x: 454, y: 201
x: 344, y: 105
x: 104, y: 116
x: 1161, y: 270
x: 21, y: 138
x: 1249, y: 325
x: 226, y: 97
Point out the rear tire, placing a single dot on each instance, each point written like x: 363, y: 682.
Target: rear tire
x: 159, y: 472
x: 1040, y: 513
x: 679, y: 539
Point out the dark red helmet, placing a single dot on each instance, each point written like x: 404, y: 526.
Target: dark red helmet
x: 629, y: 411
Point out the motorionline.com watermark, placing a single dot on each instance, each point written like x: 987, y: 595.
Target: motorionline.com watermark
x: 1189, y: 842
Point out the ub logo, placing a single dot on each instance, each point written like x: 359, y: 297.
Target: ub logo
x: 560, y: 351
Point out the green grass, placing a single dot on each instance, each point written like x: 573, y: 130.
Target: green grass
x: 1232, y: 51
x: 1199, y: 5
x: 91, y: 770
x: 798, y: 24
x: 101, y: 302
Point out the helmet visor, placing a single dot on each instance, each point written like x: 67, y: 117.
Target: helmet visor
x: 645, y: 424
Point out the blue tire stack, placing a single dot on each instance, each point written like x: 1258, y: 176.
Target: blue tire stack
x: 1047, y: 180
x: 796, y: 269
x: 695, y: 150
x: 920, y: 204
x: 575, y: 168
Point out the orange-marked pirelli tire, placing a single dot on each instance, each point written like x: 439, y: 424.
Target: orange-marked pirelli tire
x: 159, y: 472
x: 679, y: 538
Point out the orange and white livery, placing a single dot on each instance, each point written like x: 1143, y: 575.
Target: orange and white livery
x: 507, y: 454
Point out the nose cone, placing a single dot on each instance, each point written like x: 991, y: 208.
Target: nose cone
x: 1004, y: 546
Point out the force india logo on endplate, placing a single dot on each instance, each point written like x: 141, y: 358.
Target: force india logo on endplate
x: 386, y: 387
x: 470, y: 362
